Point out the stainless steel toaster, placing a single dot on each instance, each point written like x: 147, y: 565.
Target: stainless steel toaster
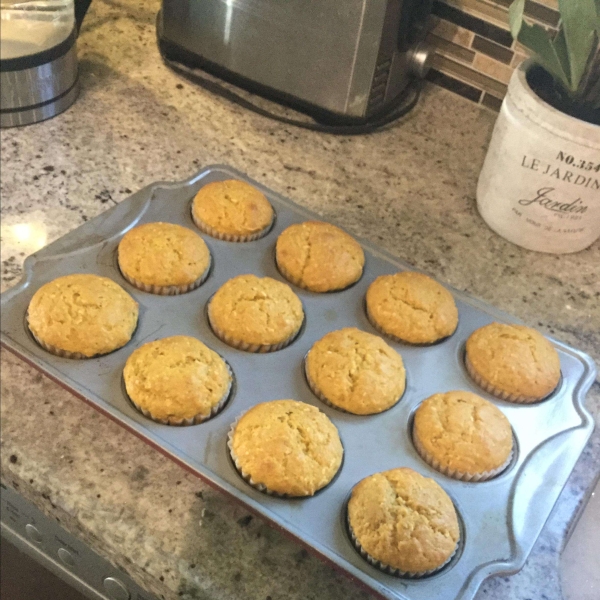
x: 344, y: 59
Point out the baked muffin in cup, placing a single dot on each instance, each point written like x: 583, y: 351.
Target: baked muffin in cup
x: 286, y: 448
x: 411, y: 307
x: 233, y: 211
x: 355, y: 371
x: 177, y: 381
x: 319, y: 257
x: 403, y: 523
x: 163, y: 258
x: 82, y: 316
x: 463, y: 436
x: 255, y: 314
x: 512, y: 362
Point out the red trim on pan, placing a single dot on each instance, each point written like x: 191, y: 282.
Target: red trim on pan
x: 210, y: 483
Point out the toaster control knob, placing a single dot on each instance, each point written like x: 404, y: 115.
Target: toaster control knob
x: 33, y: 533
x: 115, y: 589
x: 66, y: 557
x: 419, y: 59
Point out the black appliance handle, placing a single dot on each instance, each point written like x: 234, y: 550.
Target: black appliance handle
x: 81, y: 8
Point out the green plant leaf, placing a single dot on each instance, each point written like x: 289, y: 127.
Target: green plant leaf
x: 515, y: 16
x: 550, y: 56
x: 589, y: 88
x: 579, y: 21
x: 562, y: 52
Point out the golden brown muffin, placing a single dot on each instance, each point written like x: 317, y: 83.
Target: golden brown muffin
x: 177, y: 380
x: 163, y: 258
x: 513, y: 362
x: 82, y: 316
x: 411, y: 307
x: 319, y: 257
x: 232, y: 210
x: 255, y: 314
x: 463, y: 436
x: 286, y: 447
x: 355, y: 371
x: 403, y: 522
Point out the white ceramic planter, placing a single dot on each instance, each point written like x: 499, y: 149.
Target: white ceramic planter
x: 540, y: 183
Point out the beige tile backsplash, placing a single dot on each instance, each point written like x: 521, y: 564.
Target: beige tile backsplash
x: 451, y: 32
x: 474, y: 51
x: 492, y: 68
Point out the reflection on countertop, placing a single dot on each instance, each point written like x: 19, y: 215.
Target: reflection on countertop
x: 29, y: 236
x: 409, y: 189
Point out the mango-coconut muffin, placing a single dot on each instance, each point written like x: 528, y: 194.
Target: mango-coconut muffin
x: 355, y: 371
x: 164, y: 258
x: 177, y: 380
x: 82, y: 316
x: 255, y: 314
x: 403, y: 523
x: 463, y: 436
x: 319, y: 257
x: 233, y: 211
x: 286, y: 448
x: 411, y: 307
x: 512, y: 362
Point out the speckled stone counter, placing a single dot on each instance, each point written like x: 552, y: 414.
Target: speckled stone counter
x: 410, y: 189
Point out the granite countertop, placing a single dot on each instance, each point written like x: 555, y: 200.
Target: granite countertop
x: 410, y: 189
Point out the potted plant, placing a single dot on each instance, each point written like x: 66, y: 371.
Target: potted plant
x: 540, y: 183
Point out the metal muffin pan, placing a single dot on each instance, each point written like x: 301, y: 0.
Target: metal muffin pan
x: 500, y: 518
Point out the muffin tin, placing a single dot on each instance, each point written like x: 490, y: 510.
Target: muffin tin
x: 500, y: 518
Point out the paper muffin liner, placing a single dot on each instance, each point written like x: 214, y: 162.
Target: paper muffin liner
x: 197, y: 419
x: 385, y: 568
x: 64, y: 353
x: 317, y: 392
x: 168, y: 290
x: 244, y: 474
x: 230, y: 237
x: 395, y: 338
x: 59, y: 352
x: 256, y: 348
x: 488, y: 387
x: 261, y: 487
x: 455, y: 473
x: 297, y: 281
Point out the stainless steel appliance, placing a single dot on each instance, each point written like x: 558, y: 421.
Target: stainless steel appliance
x: 339, y: 61
x: 38, y: 59
x: 50, y: 545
